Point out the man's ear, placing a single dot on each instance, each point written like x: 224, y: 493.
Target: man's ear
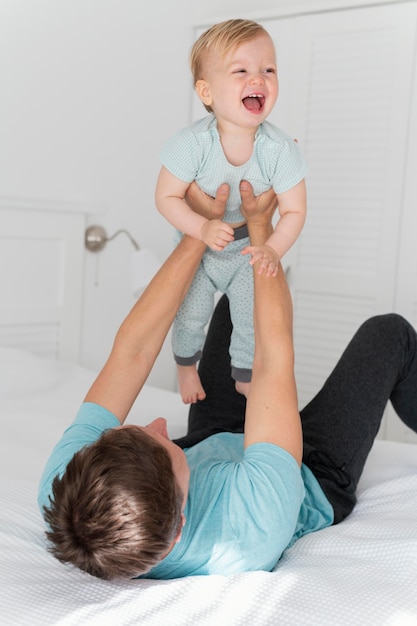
x: 178, y: 537
x: 202, y: 89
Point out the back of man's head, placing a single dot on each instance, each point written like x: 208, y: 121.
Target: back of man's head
x: 117, y: 508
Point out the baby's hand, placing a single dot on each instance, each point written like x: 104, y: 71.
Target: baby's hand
x: 217, y: 234
x: 267, y: 257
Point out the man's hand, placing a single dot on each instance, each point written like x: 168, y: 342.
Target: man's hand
x: 257, y: 209
x: 205, y: 205
x: 215, y: 233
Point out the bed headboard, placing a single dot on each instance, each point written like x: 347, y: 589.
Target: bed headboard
x: 41, y: 280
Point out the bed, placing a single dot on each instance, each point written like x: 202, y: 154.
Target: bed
x: 360, y: 572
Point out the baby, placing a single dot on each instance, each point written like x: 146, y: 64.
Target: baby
x: 235, y: 76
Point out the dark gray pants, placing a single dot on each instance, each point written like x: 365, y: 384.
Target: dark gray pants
x: 341, y: 422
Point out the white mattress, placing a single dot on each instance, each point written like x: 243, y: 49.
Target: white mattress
x: 361, y: 572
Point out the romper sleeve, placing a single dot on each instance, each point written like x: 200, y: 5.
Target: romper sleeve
x: 181, y: 155
x: 280, y: 158
x: 291, y: 167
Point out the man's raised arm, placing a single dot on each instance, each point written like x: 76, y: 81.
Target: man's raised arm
x: 141, y: 335
x: 272, y: 414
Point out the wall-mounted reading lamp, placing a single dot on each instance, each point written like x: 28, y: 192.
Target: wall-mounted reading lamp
x: 96, y: 238
x: 144, y: 263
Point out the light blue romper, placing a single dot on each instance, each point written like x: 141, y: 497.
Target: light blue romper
x: 195, y: 153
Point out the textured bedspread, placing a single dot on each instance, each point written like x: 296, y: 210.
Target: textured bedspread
x: 359, y: 573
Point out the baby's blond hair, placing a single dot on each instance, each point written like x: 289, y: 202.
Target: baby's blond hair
x: 221, y: 38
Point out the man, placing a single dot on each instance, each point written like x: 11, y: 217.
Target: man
x: 126, y: 501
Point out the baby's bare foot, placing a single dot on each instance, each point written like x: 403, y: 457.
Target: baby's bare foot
x: 189, y: 383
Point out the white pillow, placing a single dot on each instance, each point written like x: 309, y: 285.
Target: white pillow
x: 23, y: 371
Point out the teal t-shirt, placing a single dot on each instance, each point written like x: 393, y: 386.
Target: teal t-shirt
x: 244, y: 507
x: 91, y: 421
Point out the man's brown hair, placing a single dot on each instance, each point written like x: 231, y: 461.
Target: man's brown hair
x: 117, y: 508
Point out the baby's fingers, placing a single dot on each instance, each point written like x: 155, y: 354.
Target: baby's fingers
x: 272, y: 270
x: 256, y: 255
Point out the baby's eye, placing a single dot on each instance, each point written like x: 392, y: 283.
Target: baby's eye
x: 270, y: 70
x: 240, y: 71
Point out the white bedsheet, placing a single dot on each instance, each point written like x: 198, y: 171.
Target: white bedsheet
x: 361, y: 572
x: 40, y: 397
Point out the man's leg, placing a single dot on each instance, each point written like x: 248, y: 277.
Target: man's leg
x: 341, y: 422
x: 224, y: 408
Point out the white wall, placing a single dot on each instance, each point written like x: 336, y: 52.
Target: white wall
x: 215, y: 10
x: 90, y: 89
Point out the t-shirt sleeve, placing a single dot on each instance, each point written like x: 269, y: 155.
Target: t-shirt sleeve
x: 181, y: 155
x: 268, y: 491
x: 91, y: 421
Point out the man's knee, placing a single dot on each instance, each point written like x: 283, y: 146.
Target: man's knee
x: 389, y: 329
x: 385, y: 323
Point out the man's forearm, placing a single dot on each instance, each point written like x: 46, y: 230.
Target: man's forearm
x: 141, y: 335
x: 258, y: 212
x: 272, y: 409
x: 151, y: 317
x: 259, y: 231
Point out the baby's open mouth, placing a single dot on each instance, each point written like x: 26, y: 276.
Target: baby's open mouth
x: 254, y: 102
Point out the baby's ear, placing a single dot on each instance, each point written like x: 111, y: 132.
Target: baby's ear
x: 202, y: 89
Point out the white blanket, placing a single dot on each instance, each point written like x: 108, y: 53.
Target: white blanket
x: 361, y: 572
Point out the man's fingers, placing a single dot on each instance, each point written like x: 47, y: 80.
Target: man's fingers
x: 245, y: 186
x: 222, y: 194
x: 246, y: 193
x: 220, y: 200
x: 223, y: 190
